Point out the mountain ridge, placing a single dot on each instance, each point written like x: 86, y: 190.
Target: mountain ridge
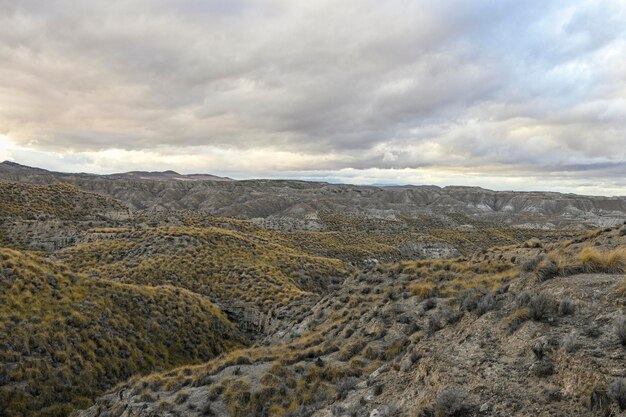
x: 172, y: 175
x: 299, y: 204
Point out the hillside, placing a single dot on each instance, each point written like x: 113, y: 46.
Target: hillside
x: 232, y: 268
x: 327, y: 306
x: 66, y: 338
x: 58, y: 200
x: 508, y: 334
x: 51, y: 216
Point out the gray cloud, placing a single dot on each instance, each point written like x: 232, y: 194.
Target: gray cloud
x: 503, y: 85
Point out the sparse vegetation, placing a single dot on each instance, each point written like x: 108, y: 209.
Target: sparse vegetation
x: 485, y: 304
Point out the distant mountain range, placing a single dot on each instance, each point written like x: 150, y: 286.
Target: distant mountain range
x: 300, y: 202
x: 13, y: 167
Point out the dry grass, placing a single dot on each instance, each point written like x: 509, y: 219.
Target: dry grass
x: 587, y: 260
x: 71, y: 337
x: 37, y: 201
x: 225, y: 264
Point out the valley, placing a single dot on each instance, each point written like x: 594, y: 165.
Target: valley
x: 159, y: 294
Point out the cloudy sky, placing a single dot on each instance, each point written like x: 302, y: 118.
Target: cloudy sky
x: 502, y: 94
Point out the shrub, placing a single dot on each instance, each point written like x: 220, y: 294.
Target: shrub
x: 429, y: 304
x: 469, y: 300
x: 616, y: 261
x: 566, y: 307
x: 532, y: 263
x: 345, y: 386
x: 523, y: 298
x: 541, y: 307
x: 570, y: 344
x: 518, y: 318
x: 599, y: 401
x: 181, y: 397
x: 593, y: 260
x: 351, y: 349
x: 617, y: 392
x: 423, y: 290
x: 533, y: 243
x: 544, y: 367
x: 621, y: 289
x: 486, y: 303
x: 620, y: 330
x: 450, y: 402
x: 538, y: 351
x: 548, y: 269
x: 437, y: 321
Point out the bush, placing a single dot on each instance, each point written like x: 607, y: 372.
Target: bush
x: 599, y: 401
x: 450, y: 402
x: 437, y: 321
x: 523, y: 298
x: 617, y: 392
x: 544, y: 367
x: 566, y: 307
x: 541, y: 307
x: 613, y: 262
x: 548, y: 269
x: 532, y: 263
x: 620, y: 330
x: 350, y: 350
x: 570, y: 344
x: 539, y: 351
x: 469, y: 300
x: 533, y: 243
x: 429, y: 304
x: 486, y: 303
x: 519, y: 317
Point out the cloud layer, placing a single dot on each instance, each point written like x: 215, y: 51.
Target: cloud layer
x: 499, y: 91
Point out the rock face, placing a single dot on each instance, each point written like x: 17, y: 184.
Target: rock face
x: 300, y: 201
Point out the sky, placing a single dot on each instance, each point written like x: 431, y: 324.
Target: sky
x: 523, y: 95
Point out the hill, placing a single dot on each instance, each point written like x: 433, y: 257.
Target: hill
x: 237, y: 270
x: 51, y: 216
x: 65, y: 338
x: 309, y: 299
x: 505, y: 333
x: 59, y: 200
